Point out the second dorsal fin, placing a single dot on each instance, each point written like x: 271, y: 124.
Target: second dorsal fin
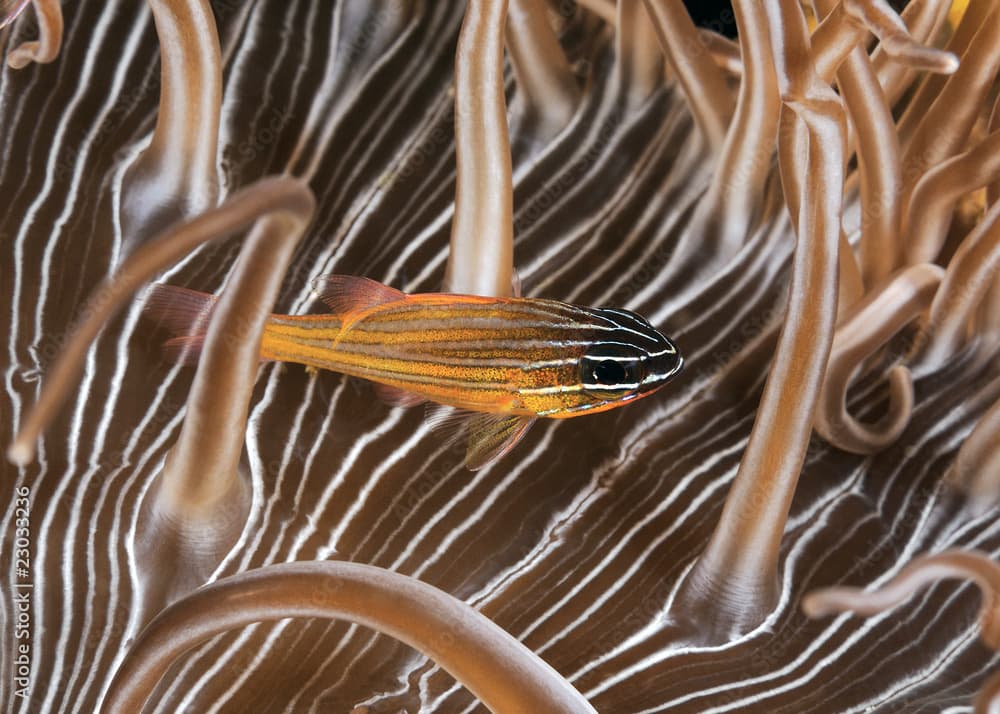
x: 350, y: 293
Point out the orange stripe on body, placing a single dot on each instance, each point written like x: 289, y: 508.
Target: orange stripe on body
x: 478, y: 367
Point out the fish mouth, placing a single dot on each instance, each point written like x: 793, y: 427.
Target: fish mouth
x: 663, y: 366
x: 679, y: 368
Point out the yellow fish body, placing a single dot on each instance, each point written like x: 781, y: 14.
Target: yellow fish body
x: 510, y: 360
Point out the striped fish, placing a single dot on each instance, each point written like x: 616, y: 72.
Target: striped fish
x: 508, y: 361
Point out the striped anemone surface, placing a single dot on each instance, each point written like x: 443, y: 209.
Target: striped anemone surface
x: 575, y: 541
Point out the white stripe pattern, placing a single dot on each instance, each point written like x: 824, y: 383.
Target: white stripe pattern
x: 574, y: 541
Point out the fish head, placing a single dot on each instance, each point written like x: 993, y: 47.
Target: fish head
x: 628, y: 359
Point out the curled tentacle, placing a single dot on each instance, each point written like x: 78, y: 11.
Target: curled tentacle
x: 976, y: 470
x: 703, y: 82
x: 198, y: 504
x: 267, y: 195
x: 993, y: 190
x: 872, y: 324
x: 851, y: 283
x: 176, y: 175
x: 503, y: 673
x: 946, y: 125
x: 878, y: 162
x: 734, y: 584
x: 50, y: 30
x: 974, y: 17
x: 896, y: 39
x: 546, y: 86
x: 988, y: 319
x: 969, y: 277
x: 794, y: 143
x: 843, y: 29
x: 481, y: 261
x: 878, y: 166
x: 964, y: 564
x: 724, y: 51
x: 924, y: 20
x: 744, y: 161
x: 640, y: 63
x: 934, y: 197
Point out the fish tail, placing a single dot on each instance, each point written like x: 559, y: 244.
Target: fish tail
x: 186, y: 314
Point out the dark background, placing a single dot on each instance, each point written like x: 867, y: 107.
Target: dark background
x: 718, y: 15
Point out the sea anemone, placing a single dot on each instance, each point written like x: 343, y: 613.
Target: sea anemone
x: 812, y: 213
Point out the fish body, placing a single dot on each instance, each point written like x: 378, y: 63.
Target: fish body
x: 511, y: 360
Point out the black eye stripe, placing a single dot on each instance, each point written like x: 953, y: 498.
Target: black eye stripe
x: 609, y: 372
x: 611, y: 367
x: 628, y: 357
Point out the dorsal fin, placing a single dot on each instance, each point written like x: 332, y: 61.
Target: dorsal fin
x: 350, y: 293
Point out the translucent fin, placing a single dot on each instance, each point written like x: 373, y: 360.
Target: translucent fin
x: 397, y: 397
x: 493, y: 435
x: 184, y: 350
x: 449, y: 422
x: 180, y: 310
x: 186, y: 314
x: 350, y: 293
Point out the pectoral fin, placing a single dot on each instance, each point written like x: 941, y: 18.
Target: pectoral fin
x: 490, y: 436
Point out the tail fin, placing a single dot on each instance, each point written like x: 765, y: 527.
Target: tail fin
x: 186, y: 314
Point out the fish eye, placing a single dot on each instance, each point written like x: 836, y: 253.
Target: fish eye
x: 609, y: 372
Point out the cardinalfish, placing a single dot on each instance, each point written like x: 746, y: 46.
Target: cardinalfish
x: 505, y: 361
